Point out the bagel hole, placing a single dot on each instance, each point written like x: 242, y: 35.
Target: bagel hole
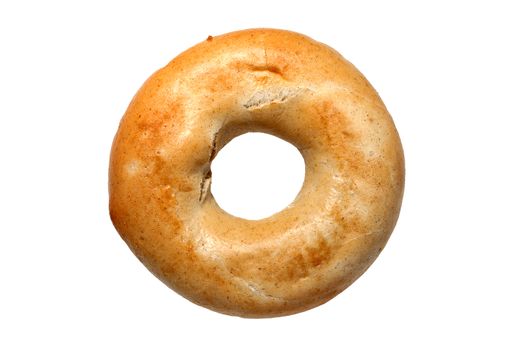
x: 257, y: 175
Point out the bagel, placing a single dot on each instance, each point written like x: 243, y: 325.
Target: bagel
x: 260, y: 80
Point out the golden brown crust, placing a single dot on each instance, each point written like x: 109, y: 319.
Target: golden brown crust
x: 281, y: 83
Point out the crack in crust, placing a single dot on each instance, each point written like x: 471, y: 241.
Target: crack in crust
x: 267, y: 68
x: 263, y: 98
x: 206, y: 178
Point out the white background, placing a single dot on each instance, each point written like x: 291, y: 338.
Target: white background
x: 452, y: 75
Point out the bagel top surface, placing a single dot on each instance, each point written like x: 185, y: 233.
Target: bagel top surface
x: 272, y: 81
